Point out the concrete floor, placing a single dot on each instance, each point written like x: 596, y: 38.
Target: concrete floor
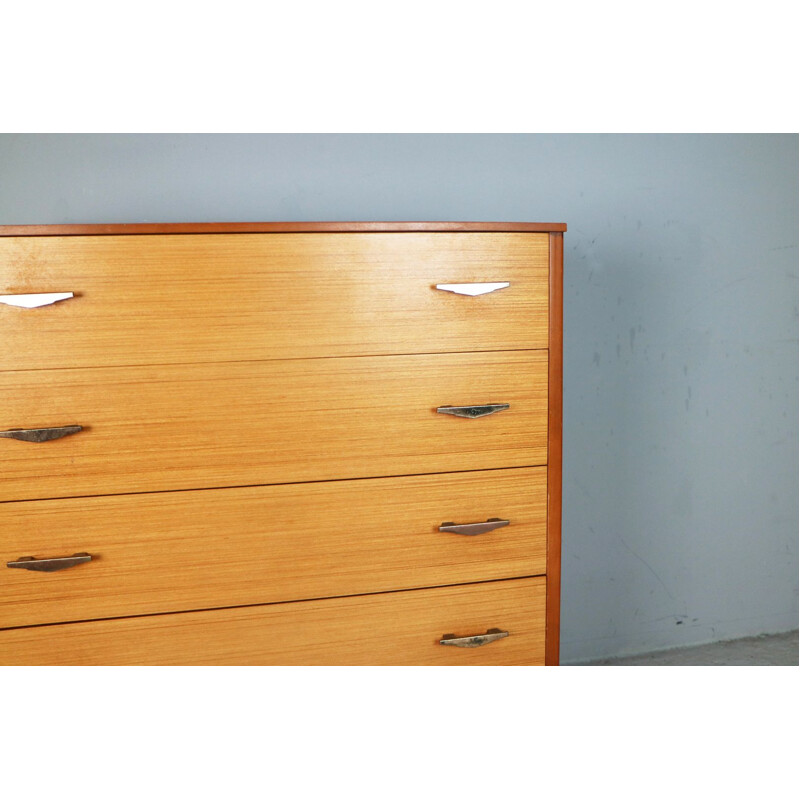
x: 774, y: 651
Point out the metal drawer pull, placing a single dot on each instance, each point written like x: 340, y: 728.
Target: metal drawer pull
x: 492, y: 635
x: 34, y: 300
x: 474, y: 528
x: 40, y: 434
x: 49, y: 564
x: 472, y: 412
x: 472, y: 289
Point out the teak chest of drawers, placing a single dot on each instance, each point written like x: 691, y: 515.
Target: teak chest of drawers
x: 280, y: 443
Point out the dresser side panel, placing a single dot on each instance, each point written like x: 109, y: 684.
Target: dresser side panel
x: 554, y: 436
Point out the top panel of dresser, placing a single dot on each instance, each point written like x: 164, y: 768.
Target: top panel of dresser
x: 182, y: 297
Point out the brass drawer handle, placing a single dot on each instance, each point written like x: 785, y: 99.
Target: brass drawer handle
x: 40, y: 434
x: 473, y: 412
x: 474, y: 528
x: 492, y: 635
x: 49, y: 564
x: 34, y: 300
x: 472, y: 289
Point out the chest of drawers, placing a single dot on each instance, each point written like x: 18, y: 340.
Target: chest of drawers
x: 280, y: 443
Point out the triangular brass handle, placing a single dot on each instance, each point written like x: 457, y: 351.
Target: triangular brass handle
x: 49, y: 564
x: 40, y: 434
x: 492, y: 635
x: 34, y: 300
x: 472, y: 289
x: 474, y: 528
x: 473, y: 412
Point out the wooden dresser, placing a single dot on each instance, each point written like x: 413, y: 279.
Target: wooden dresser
x: 280, y: 443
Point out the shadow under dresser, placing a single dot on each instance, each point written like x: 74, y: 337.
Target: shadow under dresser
x: 280, y: 443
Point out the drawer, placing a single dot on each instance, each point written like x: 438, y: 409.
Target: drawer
x: 234, y: 424
x: 225, y: 297
x: 176, y: 551
x: 399, y: 628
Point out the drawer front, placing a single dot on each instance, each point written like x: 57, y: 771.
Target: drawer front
x: 177, y: 551
x: 226, y: 297
x: 400, y: 628
x: 197, y: 426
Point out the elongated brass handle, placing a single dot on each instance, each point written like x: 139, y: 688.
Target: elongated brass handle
x: 474, y: 528
x: 34, y: 300
x: 49, y: 564
x: 492, y: 635
x: 472, y: 289
x: 40, y: 434
x: 473, y: 412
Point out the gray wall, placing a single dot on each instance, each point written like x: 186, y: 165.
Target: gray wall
x: 680, y: 384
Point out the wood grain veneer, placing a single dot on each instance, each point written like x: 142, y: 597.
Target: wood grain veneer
x: 229, y: 424
x: 176, y: 551
x: 213, y: 297
x: 150, y: 228
x: 262, y: 474
x: 554, y: 440
x: 398, y: 628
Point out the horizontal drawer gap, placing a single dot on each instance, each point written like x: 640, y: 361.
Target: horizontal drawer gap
x: 256, y: 485
x: 289, y: 358
x: 277, y: 603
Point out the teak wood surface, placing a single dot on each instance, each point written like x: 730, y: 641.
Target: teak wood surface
x: 216, y: 297
x: 554, y: 445
x: 177, y: 551
x: 308, y: 356
x: 235, y: 424
x: 151, y: 228
x: 397, y: 628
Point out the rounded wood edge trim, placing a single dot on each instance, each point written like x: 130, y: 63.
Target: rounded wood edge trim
x: 278, y: 227
x: 554, y: 437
